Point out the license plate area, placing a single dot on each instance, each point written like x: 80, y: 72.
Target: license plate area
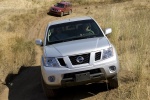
x: 82, y: 77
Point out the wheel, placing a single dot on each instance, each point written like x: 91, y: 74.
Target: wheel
x: 69, y: 12
x: 61, y: 14
x: 113, y: 82
x: 48, y: 92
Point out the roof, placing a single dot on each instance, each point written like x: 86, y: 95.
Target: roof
x: 69, y: 20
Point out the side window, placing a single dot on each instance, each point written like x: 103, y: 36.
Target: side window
x: 65, y: 6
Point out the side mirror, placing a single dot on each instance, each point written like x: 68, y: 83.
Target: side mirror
x: 39, y: 42
x: 108, y: 31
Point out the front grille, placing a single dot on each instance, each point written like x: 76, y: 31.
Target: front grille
x: 86, y: 59
x: 61, y: 61
x: 72, y: 75
x: 97, y: 56
x: 54, y: 10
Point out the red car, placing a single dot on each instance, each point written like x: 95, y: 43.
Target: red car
x: 61, y: 8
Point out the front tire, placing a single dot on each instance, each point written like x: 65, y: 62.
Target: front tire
x: 48, y: 92
x: 61, y: 14
x: 113, y: 82
x: 69, y: 12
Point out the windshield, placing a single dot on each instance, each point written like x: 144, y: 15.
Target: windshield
x: 60, y: 5
x: 72, y: 31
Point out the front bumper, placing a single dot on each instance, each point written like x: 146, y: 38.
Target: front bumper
x: 54, y: 12
x: 65, y: 83
x: 61, y: 80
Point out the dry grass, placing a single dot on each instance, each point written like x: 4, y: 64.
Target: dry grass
x: 85, y: 2
x: 129, y: 21
x: 17, y: 50
x: 131, y: 35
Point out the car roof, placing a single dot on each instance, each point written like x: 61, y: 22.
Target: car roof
x: 69, y: 20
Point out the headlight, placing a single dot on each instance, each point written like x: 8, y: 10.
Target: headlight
x: 59, y: 10
x: 51, y: 62
x: 107, y: 53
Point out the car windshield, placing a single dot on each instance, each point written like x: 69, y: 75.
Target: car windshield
x: 60, y: 5
x: 72, y: 31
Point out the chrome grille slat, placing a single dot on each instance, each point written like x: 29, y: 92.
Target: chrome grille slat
x: 86, y: 57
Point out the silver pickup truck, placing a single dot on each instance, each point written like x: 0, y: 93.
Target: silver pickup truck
x: 76, y: 51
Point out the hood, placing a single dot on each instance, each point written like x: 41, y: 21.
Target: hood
x: 76, y: 47
x: 58, y: 8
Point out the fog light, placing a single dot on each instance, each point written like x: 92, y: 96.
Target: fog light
x: 51, y: 78
x: 112, y: 68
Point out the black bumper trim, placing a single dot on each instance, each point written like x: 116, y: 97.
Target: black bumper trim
x: 71, y: 82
